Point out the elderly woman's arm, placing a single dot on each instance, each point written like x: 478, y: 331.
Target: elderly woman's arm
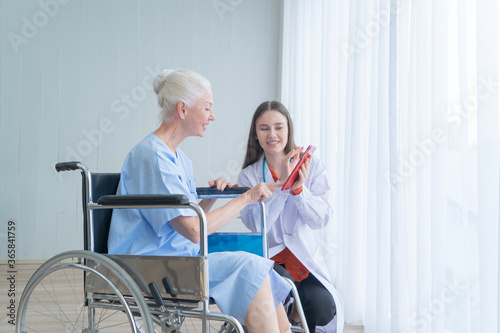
x: 188, y: 226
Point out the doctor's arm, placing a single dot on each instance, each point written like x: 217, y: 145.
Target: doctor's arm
x: 312, y: 203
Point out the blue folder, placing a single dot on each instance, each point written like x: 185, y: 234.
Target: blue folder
x: 249, y: 242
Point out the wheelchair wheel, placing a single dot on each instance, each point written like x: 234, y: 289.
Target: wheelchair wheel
x: 82, y: 291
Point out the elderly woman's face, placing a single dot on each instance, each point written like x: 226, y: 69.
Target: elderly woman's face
x: 200, y: 114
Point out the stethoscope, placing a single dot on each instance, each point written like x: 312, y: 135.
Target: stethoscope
x: 284, y: 211
x: 264, y: 168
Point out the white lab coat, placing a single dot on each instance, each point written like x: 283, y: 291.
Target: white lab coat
x: 299, y: 215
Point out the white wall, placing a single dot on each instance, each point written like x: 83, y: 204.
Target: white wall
x: 71, y: 69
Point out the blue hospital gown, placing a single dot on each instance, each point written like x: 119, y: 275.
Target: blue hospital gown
x: 152, y: 168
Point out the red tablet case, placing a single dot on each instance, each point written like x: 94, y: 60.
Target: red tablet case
x: 293, y: 175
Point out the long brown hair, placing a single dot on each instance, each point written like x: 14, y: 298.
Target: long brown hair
x: 254, y: 150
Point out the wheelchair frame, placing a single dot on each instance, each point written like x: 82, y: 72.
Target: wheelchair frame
x: 127, y: 285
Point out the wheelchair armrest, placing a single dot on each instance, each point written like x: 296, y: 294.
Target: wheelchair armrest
x: 212, y: 192
x: 143, y: 200
x: 156, y: 201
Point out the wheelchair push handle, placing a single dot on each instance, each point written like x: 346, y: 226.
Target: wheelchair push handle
x: 68, y: 166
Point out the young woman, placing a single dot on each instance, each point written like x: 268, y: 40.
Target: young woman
x: 243, y: 285
x: 293, y: 215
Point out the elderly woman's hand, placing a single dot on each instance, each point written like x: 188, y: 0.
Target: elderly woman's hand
x: 262, y: 191
x: 220, y: 183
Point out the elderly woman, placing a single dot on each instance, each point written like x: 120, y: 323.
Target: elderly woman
x: 243, y: 285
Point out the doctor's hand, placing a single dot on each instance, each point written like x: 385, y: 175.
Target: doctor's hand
x: 261, y: 191
x: 288, y: 162
x: 303, y: 175
x: 220, y: 183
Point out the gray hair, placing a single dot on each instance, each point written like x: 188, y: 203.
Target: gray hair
x: 173, y: 86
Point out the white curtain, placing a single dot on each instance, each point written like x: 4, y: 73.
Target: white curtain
x: 402, y: 99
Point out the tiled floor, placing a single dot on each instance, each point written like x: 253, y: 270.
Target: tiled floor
x: 24, y: 271
x: 353, y: 329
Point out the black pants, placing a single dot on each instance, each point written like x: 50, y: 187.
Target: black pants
x: 317, y: 302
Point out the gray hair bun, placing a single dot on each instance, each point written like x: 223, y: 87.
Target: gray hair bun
x: 160, y: 79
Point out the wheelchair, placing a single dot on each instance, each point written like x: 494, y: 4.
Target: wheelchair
x: 91, y: 291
